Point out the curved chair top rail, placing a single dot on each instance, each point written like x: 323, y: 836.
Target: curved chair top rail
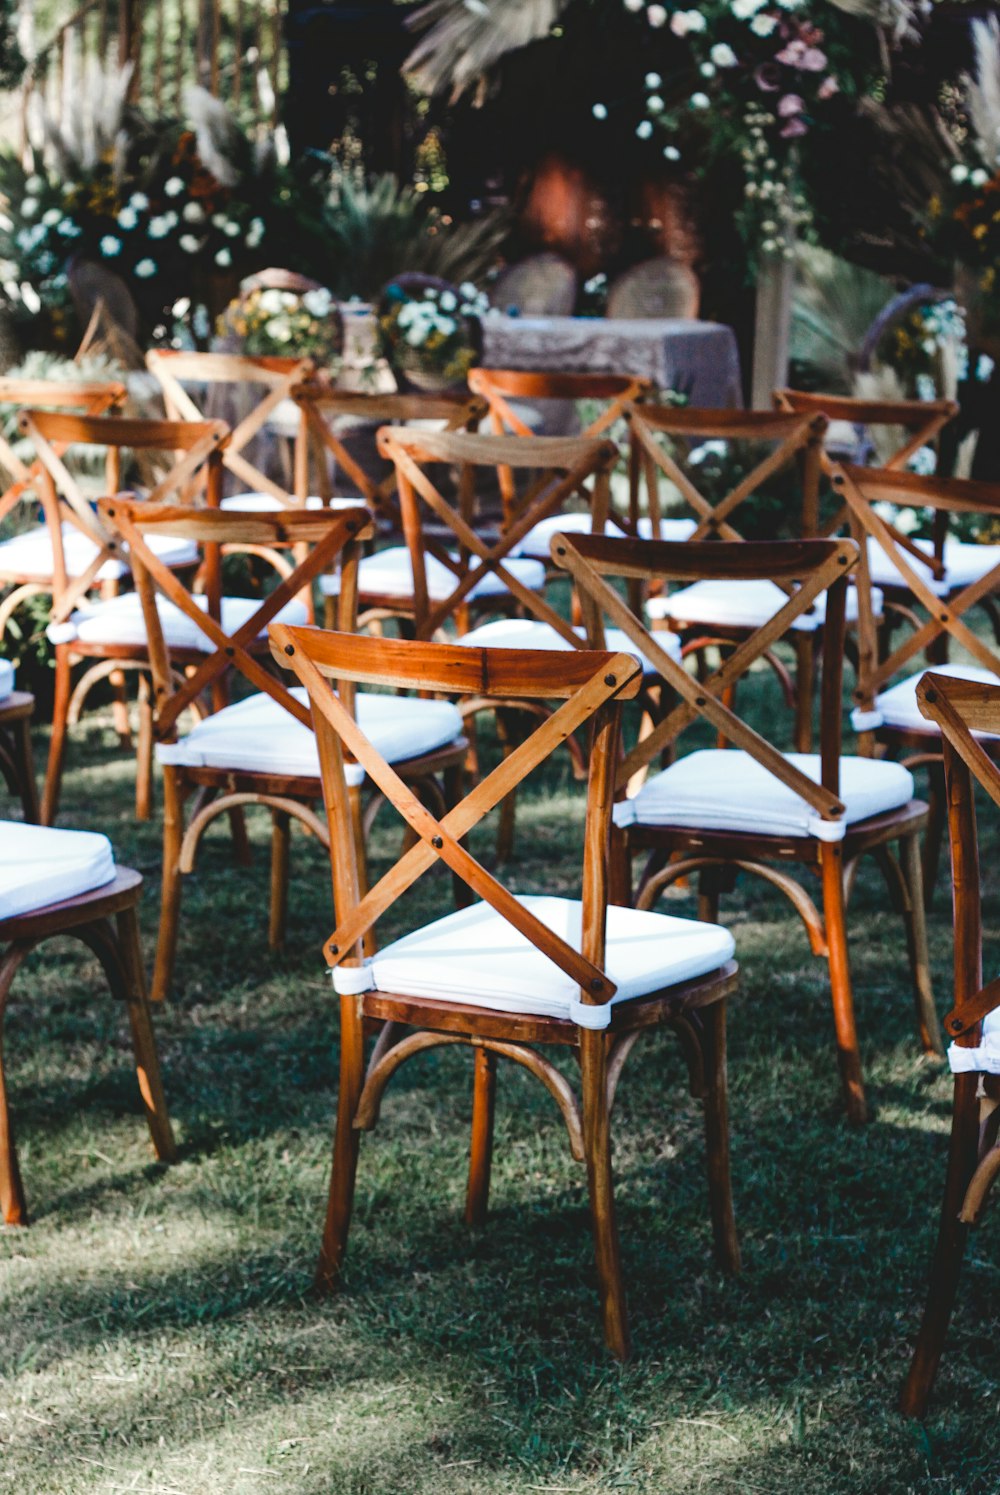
x: 236, y: 527
x: 723, y: 560
x: 472, y: 450
x: 62, y: 392
x: 860, y: 412
x: 133, y: 432
x: 388, y: 406
x: 538, y: 384
x: 909, y: 489
x: 734, y: 425
x: 226, y: 368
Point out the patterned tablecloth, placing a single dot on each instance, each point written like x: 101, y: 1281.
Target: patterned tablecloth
x: 698, y: 359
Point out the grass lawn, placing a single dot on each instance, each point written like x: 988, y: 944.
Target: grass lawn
x: 159, y: 1329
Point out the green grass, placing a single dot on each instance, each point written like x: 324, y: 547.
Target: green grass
x: 159, y: 1329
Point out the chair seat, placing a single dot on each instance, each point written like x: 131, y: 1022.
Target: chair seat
x: 119, y: 621
x: 898, y: 707
x: 258, y: 736
x: 728, y: 790
x: 985, y: 1057
x: 267, y: 503
x: 537, y: 542
x: 389, y: 573
x: 6, y: 678
x: 474, y: 956
x: 531, y: 633
x: 964, y: 564
x: 30, y: 555
x: 744, y: 604
x: 39, y: 866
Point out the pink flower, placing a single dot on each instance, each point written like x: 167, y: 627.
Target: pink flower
x: 790, y: 104
x: 767, y: 78
x: 814, y: 60
x: 828, y: 88
x: 794, y: 127
x: 792, y: 55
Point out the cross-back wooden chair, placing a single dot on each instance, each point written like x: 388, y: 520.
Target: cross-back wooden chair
x: 102, y: 634
x: 614, y: 392
x: 261, y: 750
x: 751, y: 807
x: 887, y: 712
x: 27, y: 560
x: 709, y: 614
x: 960, y: 710
x: 57, y: 883
x: 17, y: 768
x: 323, y: 438
x: 921, y: 422
x: 506, y: 973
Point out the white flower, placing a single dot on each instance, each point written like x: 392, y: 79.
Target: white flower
x: 192, y: 212
x: 723, y: 55
x: 653, y: 80
x: 158, y: 227
x: 34, y: 184
x: 707, y: 449
x: 600, y: 111
x: 223, y: 258
x: 634, y: 5
x: 189, y: 243
x: 318, y: 303
x: 173, y: 186
x: 671, y: 153
x: 139, y: 200
x: 656, y: 15
x: 29, y: 207
x: 145, y: 268
x: 763, y: 25
x: 707, y: 70
x: 684, y: 21
x: 468, y: 290
x: 128, y: 218
x: 231, y: 230
x: 110, y: 246
x: 699, y: 101
x: 271, y: 302
x: 69, y: 229
x: 279, y: 330
x: 448, y: 301
x: 978, y: 178
x: 959, y: 173
x: 644, y: 129
x: 654, y: 104
x: 52, y: 217
x: 171, y: 219
x: 744, y: 9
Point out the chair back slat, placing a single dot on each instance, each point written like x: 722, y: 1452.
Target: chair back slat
x: 90, y: 397
x: 615, y: 392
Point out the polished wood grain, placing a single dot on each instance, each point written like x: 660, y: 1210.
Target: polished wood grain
x: 612, y: 391
x: 16, y: 759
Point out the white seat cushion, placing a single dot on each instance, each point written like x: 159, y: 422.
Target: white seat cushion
x: 30, y: 554
x: 744, y: 604
x: 266, y: 503
x: 6, y: 678
x: 39, y: 866
x: 390, y: 573
x: 986, y: 1056
x: 258, y: 736
x: 964, y: 563
x: 119, y: 620
x: 898, y: 707
x: 475, y: 956
x: 538, y: 541
x: 532, y: 633
x: 728, y: 790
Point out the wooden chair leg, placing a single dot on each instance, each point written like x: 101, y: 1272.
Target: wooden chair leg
x: 600, y: 1179
x: 720, y: 1190
x: 280, y: 839
x: 805, y: 683
x: 916, y: 941
x: 25, y: 768
x: 13, y: 1209
x: 144, y: 755
x: 119, y: 708
x: 507, y: 734
x: 170, y: 892
x: 57, y: 740
x: 937, y: 805
x: 242, y: 854
x: 345, y: 1146
x: 845, y: 1027
x: 147, y: 1062
x: 481, y: 1146
x: 619, y: 869
x: 952, y: 1233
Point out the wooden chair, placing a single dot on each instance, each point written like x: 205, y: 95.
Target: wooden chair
x: 27, y: 560
x: 749, y: 807
x: 658, y: 287
x: 55, y: 883
x: 506, y: 974
x: 107, y: 635
x: 712, y: 614
x: 260, y: 751
x: 17, y: 767
x: 920, y: 421
x: 543, y: 285
x: 960, y: 710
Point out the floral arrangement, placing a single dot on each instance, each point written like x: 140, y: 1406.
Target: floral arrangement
x: 433, y: 330
x: 964, y: 225
x: 271, y: 323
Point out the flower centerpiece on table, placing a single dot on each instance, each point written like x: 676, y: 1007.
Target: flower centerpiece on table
x: 429, y: 331
x: 271, y: 323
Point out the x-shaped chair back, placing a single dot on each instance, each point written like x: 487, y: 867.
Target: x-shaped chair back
x: 189, y: 445
x: 795, y: 440
x: 615, y: 392
x: 322, y: 407
x: 553, y: 469
x: 276, y: 377
x: 323, y: 536
x: 589, y: 687
x: 921, y: 420
x: 867, y: 491
x: 805, y: 567
x: 93, y: 397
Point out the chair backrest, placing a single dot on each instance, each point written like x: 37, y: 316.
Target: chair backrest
x: 614, y: 392
x: 589, y: 687
x: 274, y: 279
x: 657, y: 288
x: 323, y: 537
x: 322, y: 436
x: 187, y: 446
x: 793, y: 441
x: 868, y: 493
x: 921, y: 421
x: 806, y: 567
x: 263, y: 382
x: 553, y: 469
x: 541, y: 285
x: 89, y: 397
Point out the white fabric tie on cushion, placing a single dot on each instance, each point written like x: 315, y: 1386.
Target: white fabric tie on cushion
x: 986, y: 1056
x: 745, y: 604
x: 897, y: 707
x: 258, y: 736
x: 865, y: 721
x: 390, y: 573
x: 476, y: 956
x: 963, y: 564
x: 532, y: 633
x: 40, y: 866
x: 6, y: 678
x: 119, y: 620
x: 537, y: 542
x: 725, y: 789
x: 31, y: 555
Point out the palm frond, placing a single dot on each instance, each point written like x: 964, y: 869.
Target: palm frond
x: 465, y: 38
x: 899, y: 18
x: 982, y: 92
x: 223, y: 148
x: 835, y: 304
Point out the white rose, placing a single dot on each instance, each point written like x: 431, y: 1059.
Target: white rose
x: 145, y: 268
x: 110, y: 246
x: 699, y: 101
x: 128, y: 218
x: 189, y: 243
x: 192, y: 212
x: 139, y: 201
x: 656, y: 15
x: 29, y: 207
x: 158, y: 228
x: 224, y: 258
x: 744, y: 9
x: 173, y: 186
x: 763, y: 25
x: 52, y: 217
x: 978, y: 178
x: 959, y: 173
x: 654, y: 104
x: 653, y: 80
x: 671, y: 153
x: 644, y: 129
x: 723, y: 55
